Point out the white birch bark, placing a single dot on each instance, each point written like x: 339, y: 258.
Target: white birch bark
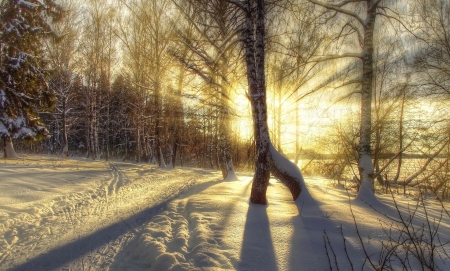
x: 365, y: 165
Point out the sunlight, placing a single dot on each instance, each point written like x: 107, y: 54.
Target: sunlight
x: 242, y: 123
x: 317, y: 114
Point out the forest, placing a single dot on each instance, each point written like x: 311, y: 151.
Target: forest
x: 118, y: 117
x: 166, y: 82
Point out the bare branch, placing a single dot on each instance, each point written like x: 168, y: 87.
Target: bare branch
x: 340, y: 10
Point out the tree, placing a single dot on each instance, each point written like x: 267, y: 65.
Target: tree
x: 96, y: 52
x: 363, y: 26
x: 24, y: 91
x: 209, y: 52
x: 431, y: 22
x: 268, y: 159
x: 63, y: 82
x: 147, y: 38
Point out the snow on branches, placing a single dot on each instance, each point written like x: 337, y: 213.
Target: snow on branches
x: 24, y: 91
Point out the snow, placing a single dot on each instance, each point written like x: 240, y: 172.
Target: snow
x: 27, y: 4
x: 2, y: 98
x: 77, y: 214
x: 3, y: 130
x: 287, y: 166
x: 231, y: 173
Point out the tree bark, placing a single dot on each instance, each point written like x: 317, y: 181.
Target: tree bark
x: 267, y: 157
x: 365, y: 165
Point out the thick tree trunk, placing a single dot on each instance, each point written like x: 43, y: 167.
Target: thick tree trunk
x: 254, y: 57
x: 8, y: 149
x: 267, y: 158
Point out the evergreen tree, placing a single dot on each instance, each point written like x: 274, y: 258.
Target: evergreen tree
x: 24, y: 91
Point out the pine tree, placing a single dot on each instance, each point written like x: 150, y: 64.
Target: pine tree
x: 24, y: 91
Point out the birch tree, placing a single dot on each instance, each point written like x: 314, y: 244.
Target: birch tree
x: 362, y: 24
x: 268, y: 159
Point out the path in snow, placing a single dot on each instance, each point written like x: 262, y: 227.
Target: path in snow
x: 79, y: 215
x: 84, y: 225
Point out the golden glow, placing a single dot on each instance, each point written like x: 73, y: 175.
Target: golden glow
x: 316, y: 116
x: 242, y: 122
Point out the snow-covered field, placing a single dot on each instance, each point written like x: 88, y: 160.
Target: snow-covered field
x: 76, y: 214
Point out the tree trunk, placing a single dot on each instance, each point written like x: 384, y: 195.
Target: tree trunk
x: 138, y: 137
x: 163, y: 162
x: 158, y: 135
x: 267, y: 158
x: 297, y: 123
x: 108, y: 121
x: 400, y: 137
x: 254, y: 57
x: 95, y: 124
x: 65, y: 147
x: 287, y: 172
x: 8, y: 149
x: 365, y: 164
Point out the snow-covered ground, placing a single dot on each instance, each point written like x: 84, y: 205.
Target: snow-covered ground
x: 76, y: 214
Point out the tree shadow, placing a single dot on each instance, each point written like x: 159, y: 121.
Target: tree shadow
x: 257, y: 251
x: 57, y: 258
x: 312, y: 229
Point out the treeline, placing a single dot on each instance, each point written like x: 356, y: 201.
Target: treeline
x: 164, y: 82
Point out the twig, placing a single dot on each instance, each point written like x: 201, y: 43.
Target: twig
x: 332, y: 250
x: 345, y: 249
x: 328, y: 256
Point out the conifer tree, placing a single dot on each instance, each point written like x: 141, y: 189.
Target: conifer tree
x: 24, y: 91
